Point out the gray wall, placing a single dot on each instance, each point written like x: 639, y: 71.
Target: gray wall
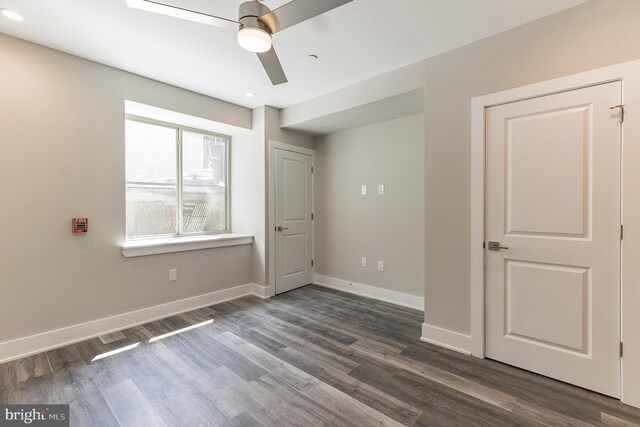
x: 387, y: 227
x: 595, y: 34
x: 273, y: 132
x: 62, y: 156
x: 250, y: 181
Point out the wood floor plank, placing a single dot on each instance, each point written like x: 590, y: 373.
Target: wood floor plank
x: 478, y: 391
x: 243, y: 419
x: 163, y: 389
x: 440, y: 405
x: 383, y: 402
x: 611, y: 421
x: 10, y: 394
x: 406, y: 312
x: 348, y: 314
x: 319, y: 329
x: 560, y: 397
x: 21, y: 370
x: 312, y: 356
x: 293, y: 396
x: 237, y: 363
x: 165, y: 326
x: 91, y: 409
x: 173, y: 413
x: 339, y: 402
x: 233, y: 400
x: 349, y: 328
x: 365, y: 309
x: 32, y: 367
x: 486, y: 394
x: 310, y: 350
x: 64, y: 357
x: 337, y: 348
x: 112, y: 337
x: 130, y: 407
x: 272, y: 409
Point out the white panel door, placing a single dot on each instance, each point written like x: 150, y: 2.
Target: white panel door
x: 293, y: 220
x: 553, y: 199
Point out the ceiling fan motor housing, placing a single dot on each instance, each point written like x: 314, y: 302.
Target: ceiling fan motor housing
x: 249, y: 13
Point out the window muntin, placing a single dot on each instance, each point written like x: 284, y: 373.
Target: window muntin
x: 177, y: 181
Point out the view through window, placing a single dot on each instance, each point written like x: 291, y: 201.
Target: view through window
x: 176, y: 181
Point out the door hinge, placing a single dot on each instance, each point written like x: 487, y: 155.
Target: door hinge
x: 621, y: 232
x: 311, y: 169
x: 312, y: 217
x: 621, y: 349
x: 484, y: 245
x: 621, y: 107
x: 311, y: 263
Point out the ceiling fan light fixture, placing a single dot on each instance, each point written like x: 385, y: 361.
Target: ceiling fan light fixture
x: 254, y: 39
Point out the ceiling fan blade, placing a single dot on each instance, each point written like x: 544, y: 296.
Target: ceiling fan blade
x: 272, y: 66
x: 179, y: 12
x: 298, y: 11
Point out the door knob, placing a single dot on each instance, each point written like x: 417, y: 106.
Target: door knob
x: 281, y: 228
x: 495, y: 246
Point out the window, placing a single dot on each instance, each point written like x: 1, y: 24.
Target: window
x: 176, y: 180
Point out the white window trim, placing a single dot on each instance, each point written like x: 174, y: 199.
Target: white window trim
x: 135, y: 248
x: 179, y: 234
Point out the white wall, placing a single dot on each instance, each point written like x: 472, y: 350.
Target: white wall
x: 62, y: 155
x: 247, y: 191
x: 387, y: 227
x: 592, y: 35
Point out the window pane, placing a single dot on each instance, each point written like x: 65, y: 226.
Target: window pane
x: 152, y: 196
x: 204, y: 183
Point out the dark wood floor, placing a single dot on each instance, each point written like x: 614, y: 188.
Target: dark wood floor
x: 312, y: 356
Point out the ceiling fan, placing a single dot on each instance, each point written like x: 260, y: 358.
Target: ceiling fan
x: 255, y: 25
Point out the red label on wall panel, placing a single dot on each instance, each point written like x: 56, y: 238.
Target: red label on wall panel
x: 79, y: 225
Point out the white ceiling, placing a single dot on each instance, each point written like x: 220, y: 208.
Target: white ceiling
x: 354, y: 42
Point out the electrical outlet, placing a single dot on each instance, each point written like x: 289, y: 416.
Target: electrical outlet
x: 363, y: 262
x: 380, y: 265
x: 363, y: 190
x: 381, y: 189
x: 173, y: 275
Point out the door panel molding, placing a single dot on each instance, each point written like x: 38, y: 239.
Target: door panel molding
x: 554, y: 173
x: 629, y: 74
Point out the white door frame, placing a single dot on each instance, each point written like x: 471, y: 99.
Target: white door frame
x: 629, y: 74
x: 271, y: 221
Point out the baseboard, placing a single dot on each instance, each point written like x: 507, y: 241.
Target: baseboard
x: 398, y: 298
x: 22, y: 347
x: 446, y: 338
x: 263, y: 292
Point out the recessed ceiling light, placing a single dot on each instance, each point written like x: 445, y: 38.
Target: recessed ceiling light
x: 250, y: 95
x: 11, y: 14
x: 312, y: 57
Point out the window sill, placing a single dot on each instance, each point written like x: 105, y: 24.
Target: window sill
x: 180, y: 244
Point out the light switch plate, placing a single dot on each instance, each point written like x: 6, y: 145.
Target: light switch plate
x: 173, y: 275
x: 363, y: 190
x: 363, y: 262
